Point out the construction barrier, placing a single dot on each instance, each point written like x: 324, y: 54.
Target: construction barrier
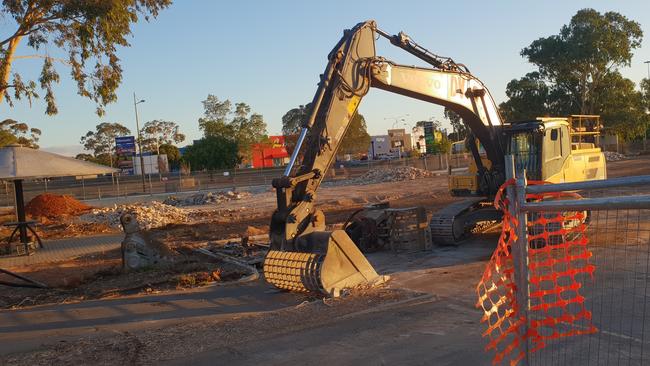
x: 557, y: 256
x: 569, y: 282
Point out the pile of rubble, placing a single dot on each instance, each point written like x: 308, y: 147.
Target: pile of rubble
x: 205, y: 198
x: 613, y: 156
x: 390, y: 175
x: 149, y: 215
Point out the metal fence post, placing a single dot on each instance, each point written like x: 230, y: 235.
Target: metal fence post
x: 520, y: 251
x: 517, y: 198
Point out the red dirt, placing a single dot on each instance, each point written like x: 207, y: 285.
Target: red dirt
x: 54, y: 205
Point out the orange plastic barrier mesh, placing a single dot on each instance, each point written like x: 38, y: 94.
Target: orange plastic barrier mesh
x: 557, y: 257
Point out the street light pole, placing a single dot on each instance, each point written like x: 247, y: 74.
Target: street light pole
x: 645, y: 127
x: 137, y: 127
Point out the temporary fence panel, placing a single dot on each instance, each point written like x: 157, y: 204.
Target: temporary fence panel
x: 568, y: 282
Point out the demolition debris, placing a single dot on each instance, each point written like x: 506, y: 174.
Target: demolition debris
x: 613, y: 156
x: 149, y: 215
x: 387, y: 175
x: 205, y: 198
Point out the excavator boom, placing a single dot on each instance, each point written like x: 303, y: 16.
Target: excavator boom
x: 303, y: 255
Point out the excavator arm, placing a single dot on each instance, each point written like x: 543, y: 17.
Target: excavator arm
x: 353, y: 68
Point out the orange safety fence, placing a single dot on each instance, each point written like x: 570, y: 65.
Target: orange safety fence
x: 558, y: 257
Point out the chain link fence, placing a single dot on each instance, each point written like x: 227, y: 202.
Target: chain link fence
x: 121, y: 186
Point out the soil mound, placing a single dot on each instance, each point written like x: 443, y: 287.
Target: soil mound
x: 54, y: 205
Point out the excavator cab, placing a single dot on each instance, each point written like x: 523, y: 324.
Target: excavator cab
x: 556, y: 149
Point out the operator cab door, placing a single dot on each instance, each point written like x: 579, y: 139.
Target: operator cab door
x: 556, y: 149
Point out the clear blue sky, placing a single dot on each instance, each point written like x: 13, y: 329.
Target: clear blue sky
x: 269, y: 54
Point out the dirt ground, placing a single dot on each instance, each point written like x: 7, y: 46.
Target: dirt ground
x: 403, y: 315
x: 83, y: 278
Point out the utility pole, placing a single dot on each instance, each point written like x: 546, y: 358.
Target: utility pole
x: 137, y: 127
x: 645, y: 127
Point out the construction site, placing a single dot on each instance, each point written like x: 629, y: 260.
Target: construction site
x: 518, y: 236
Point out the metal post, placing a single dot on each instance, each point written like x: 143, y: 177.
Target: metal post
x: 180, y: 180
x: 517, y: 197
x: 20, y: 210
x: 150, y: 189
x: 83, y: 187
x: 645, y: 127
x: 137, y: 127
x: 117, y: 179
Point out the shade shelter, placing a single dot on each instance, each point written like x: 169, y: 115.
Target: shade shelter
x: 19, y: 163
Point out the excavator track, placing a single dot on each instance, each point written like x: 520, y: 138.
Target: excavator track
x: 447, y: 225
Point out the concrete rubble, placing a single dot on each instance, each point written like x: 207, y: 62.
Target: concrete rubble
x: 149, y: 215
x: 613, y: 156
x: 204, y: 198
x: 389, y: 175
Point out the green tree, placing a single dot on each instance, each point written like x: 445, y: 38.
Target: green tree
x: 14, y: 132
x: 103, y: 159
x: 212, y: 152
x: 577, y: 72
x: 238, y: 124
x: 622, y: 106
x: 101, y: 142
x: 157, y: 133
x: 579, y: 58
x: 291, y: 125
x: 173, y: 155
x: 89, y: 32
x: 456, y: 123
x: 356, y: 139
x: 528, y: 98
x: 6, y: 138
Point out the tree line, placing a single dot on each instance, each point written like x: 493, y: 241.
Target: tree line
x: 577, y: 71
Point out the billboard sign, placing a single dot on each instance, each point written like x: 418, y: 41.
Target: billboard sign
x: 125, y: 151
x: 429, y: 137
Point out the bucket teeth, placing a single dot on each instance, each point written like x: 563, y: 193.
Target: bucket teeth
x: 294, y: 271
x: 334, y: 264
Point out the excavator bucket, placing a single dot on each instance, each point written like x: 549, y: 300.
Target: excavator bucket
x: 326, y: 262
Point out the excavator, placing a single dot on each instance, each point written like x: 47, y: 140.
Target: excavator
x: 303, y: 256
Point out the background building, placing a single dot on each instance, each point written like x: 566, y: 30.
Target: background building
x: 268, y: 155
x: 379, y: 145
x: 417, y: 140
x: 400, y: 141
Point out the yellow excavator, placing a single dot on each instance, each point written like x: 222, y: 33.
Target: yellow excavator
x: 303, y: 256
